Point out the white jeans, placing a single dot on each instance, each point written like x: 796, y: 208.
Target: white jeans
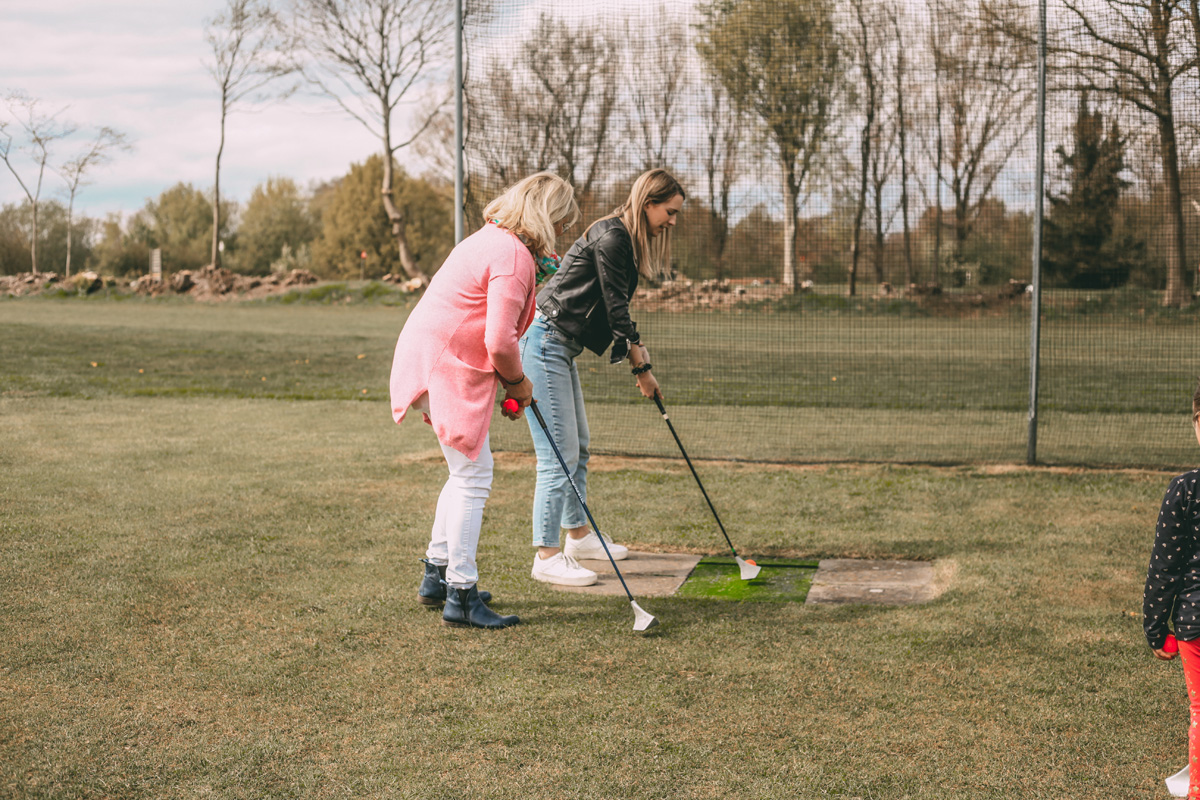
x: 455, y: 536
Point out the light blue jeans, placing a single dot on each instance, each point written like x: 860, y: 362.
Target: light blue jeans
x: 548, y: 358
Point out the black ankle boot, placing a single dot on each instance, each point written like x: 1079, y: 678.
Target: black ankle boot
x: 432, y: 591
x: 464, y: 609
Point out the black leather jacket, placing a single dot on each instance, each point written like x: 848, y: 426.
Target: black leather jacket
x: 588, y: 298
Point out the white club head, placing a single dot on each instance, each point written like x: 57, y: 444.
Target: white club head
x: 642, y: 620
x: 749, y: 571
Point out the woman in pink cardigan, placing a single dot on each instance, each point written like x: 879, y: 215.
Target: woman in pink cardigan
x: 459, y: 341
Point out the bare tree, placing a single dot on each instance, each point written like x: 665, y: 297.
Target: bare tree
x: 939, y: 142
x: 986, y: 85
x: 246, y: 40
x: 578, y: 85
x: 901, y: 70
x: 549, y: 108
x: 74, y: 172
x: 41, y: 131
x: 656, y: 103
x: 781, y: 59
x: 370, y: 56
x: 515, y: 131
x: 435, y: 147
x: 865, y: 49
x: 723, y: 131
x: 1136, y: 50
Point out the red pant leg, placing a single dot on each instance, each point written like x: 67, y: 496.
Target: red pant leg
x: 1190, y: 653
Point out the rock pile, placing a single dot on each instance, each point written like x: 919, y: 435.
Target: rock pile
x: 26, y: 283
x: 686, y: 295
x: 209, y: 283
x: 217, y: 283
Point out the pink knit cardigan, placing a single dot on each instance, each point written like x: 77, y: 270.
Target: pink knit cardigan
x: 462, y: 331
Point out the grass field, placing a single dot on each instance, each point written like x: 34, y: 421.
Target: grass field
x: 207, y: 590
x: 741, y: 386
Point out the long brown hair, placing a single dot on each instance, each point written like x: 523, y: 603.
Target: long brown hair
x: 652, y: 255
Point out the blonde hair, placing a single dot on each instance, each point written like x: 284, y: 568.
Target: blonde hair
x: 653, y: 258
x: 531, y: 208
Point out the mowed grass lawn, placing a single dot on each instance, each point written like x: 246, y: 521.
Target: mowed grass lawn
x: 207, y: 590
x: 748, y: 386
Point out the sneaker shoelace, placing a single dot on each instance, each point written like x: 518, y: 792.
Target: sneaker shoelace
x: 571, y: 562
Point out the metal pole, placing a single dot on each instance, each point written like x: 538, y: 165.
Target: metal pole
x: 1035, y: 306
x: 458, y: 121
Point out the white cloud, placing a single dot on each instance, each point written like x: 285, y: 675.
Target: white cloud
x: 138, y: 66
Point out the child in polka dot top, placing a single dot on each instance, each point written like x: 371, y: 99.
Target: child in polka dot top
x: 1173, y: 592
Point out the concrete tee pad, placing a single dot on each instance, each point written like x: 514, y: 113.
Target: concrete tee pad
x: 892, y: 583
x: 646, y: 574
x: 837, y: 580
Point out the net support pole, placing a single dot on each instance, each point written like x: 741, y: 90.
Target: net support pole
x: 1035, y: 306
x: 458, y: 121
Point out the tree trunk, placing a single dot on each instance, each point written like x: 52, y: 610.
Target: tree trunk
x: 791, y: 209
x: 861, y: 207
x: 33, y: 239
x: 719, y: 215
x: 868, y: 133
x: 716, y: 225
x: 216, y: 231
x: 877, y: 196
x: 903, y: 132
x: 935, y: 278
x: 407, y: 264
x: 1176, y: 294
x: 961, y: 211
x: 962, y: 222
x: 70, y: 213
x: 720, y: 233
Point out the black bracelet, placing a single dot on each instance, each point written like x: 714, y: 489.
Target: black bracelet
x: 507, y: 382
x: 643, y: 368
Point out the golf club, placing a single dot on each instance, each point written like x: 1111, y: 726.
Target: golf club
x: 642, y: 620
x: 749, y: 570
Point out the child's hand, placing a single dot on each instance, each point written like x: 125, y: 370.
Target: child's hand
x: 1169, y: 649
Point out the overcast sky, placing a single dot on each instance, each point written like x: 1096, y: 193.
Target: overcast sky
x: 138, y: 66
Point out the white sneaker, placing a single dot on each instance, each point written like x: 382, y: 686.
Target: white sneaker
x: 560, y: 568
x: 589, y: 547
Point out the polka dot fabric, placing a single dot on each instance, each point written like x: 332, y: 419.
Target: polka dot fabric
x: 1172, y: 592
x: 1172, y: 596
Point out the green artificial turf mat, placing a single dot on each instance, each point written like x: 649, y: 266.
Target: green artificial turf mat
x: 780, y: 581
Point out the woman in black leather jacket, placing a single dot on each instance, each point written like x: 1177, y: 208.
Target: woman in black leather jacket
x: 585, y: 305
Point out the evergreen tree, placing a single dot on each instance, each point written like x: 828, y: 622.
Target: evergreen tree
x: 1082, y: 248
